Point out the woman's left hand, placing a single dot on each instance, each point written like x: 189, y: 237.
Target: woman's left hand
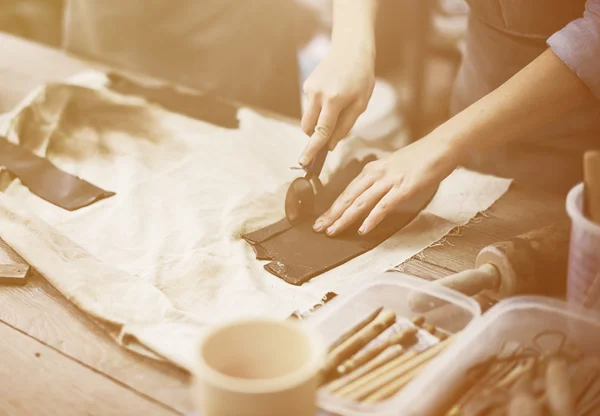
x: 388, y: 183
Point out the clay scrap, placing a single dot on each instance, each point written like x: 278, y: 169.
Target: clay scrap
x: 200, y: 106
x: 47, y: 181
x: 297, y: 254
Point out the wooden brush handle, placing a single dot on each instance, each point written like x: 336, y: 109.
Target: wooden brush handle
x: 591, y: 179
x: 357, y: 341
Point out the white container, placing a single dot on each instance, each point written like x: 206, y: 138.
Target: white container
x: 258, y: 367
x: 390, y: 290
x: 515, y: 322
x: 583, y: 283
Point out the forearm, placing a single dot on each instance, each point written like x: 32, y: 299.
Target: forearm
x: 541, y: 92
x: 354, y: 25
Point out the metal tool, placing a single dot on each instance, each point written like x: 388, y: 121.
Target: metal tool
x: 532, y: 263
x: 300, y: 197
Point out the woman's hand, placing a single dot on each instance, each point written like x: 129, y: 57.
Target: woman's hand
x: 338, y: 91
x: 389, y: 183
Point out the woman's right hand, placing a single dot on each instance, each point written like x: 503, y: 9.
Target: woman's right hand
x: 337, y: 92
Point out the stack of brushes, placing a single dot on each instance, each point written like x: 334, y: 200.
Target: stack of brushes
x: 532, y: 382
x: 372, y: 361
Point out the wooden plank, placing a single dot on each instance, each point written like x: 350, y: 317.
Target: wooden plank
x: 42, y: 312
x: 36, y: 380
x: 14, y: 274
x: 518, y: 211
x: 422, y: 269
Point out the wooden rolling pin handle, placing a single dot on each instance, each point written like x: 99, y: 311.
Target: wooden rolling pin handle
x: 468, y: 282
x: 535, y: 262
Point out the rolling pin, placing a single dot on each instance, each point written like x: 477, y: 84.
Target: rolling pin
x: 532, y: 263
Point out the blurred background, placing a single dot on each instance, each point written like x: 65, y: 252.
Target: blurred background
x: 418, y: 52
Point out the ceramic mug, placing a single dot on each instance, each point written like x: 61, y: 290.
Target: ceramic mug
x: 258, y: 368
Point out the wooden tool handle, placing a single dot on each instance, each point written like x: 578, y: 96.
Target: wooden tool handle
x: 468, y: 282
x: 524, y: 404
x: 558, y: 388
x: 359, y: 383
x: 591, y: 179
x: 396, y: 385
x: 360, y: 325
x: 386, y: 356
x: 535, y: 262
x: 371, y: 384
x: 403, y: 338
x: 357, y: 341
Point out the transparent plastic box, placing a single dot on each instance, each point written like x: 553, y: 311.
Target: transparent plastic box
x: 391, y: 290
x: 515, y: 321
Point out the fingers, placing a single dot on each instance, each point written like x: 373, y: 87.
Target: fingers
x: 311, y: 115
x: 322, y: 133
x: 346, y: 121
x: 344, y: 201
x: 359, y: 207
x: 386, y: 205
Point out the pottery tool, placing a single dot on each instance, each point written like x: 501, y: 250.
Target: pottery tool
x: 531, y: 380
x: 558, y: 387
x: 591, y: 178
x: 356, y: 342
x: 535, y: 262
x: 374, y: 357
x: 406, y: 337
x: 360, y: 325
x: 300, y: 196
x: 399, y: 371
x: 14, y: 274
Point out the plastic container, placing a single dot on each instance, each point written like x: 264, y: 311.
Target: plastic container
x: 514, y: 321
x: 391, y: 290
x: 583, y: 283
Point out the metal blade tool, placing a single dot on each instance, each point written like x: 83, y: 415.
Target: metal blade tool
x: 301, y: 195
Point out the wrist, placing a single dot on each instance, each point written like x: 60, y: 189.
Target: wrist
x: 353, y: 44
x: 447, y: 145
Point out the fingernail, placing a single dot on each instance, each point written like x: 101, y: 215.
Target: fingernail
x: 331, y: 230
x: 318, y: 226
x: 303, y: 161
x: 362, y: 230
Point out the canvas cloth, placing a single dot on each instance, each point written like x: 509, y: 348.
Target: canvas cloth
x: 163, y: 258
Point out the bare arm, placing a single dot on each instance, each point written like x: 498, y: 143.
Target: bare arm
x: 339, y: 89
x: 541, y: 92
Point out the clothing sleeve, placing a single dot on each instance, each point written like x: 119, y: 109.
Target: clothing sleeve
x: 578, y: 46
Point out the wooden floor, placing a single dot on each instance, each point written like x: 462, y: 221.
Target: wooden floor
x: 56, y: 361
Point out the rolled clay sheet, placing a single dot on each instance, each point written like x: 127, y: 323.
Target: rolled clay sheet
x: 297, y: 254
x: 47, y: 181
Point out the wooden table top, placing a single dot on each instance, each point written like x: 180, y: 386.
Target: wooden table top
x: 55, y: 360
